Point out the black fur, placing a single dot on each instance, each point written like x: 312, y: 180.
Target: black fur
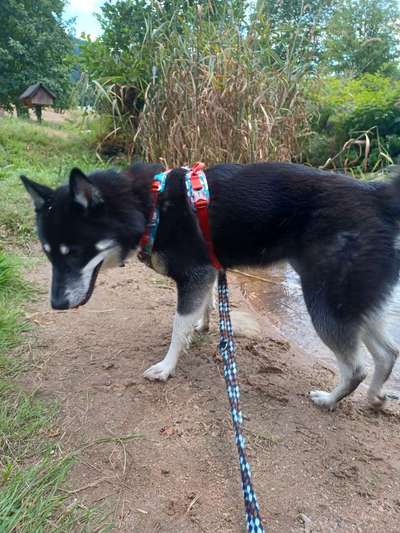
x: 338, y: 233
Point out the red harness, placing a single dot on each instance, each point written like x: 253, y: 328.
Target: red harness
x: 201, y: 200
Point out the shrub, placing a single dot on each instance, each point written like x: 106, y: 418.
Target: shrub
x: 349, y: 109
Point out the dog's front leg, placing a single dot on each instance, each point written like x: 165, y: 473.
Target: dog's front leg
x: 193, y: 296
x: 203, y: 324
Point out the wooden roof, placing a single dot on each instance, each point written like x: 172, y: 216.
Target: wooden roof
x: 34, y: 89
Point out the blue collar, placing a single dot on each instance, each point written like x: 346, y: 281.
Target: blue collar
x: 146, y: 242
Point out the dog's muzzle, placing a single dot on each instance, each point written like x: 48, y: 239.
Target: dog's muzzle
x: 68, y: 292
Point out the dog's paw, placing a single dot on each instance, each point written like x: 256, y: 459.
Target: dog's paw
x: 377, y: 401
x: 159, y: 372
x: 323, y: 399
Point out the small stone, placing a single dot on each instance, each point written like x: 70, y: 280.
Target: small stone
x: 129, y: 383
x: 306, y: 522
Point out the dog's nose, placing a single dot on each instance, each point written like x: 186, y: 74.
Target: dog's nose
x: 59, y: 303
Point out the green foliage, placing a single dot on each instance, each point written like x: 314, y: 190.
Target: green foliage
x: 132, y: 31
x: 118, y: 54
x: 362, y: 36
x: 34, y: 44
x: 41, y: 152
x: 346, y: 37
x: 296, y: 28
x: 352, y: 93
x: 347, y: 108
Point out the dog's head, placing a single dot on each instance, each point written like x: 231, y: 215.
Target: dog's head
x: 93, y: 221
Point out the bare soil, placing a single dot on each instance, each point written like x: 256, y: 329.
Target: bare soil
x: 313, y: 471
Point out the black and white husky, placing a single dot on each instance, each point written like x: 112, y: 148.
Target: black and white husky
x: 341, y: 236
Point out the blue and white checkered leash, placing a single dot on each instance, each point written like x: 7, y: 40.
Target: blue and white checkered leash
x: 227, y: 345
x: 227, y: 350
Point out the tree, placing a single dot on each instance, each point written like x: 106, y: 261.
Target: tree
x: 296, y: 28
x: 132, y: 31
x: 362, y: 36
x: 34, y: 45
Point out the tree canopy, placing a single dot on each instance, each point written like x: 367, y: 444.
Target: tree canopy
x: 342, y: 37
x: 362, y: 36
x: 34, y: 45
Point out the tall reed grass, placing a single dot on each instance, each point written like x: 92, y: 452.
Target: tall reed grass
x: 217, y: 93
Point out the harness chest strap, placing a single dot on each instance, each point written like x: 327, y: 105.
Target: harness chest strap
x: 198, y: 192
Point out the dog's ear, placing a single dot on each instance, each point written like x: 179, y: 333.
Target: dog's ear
x: 40, y: 194
x: 83, y: 191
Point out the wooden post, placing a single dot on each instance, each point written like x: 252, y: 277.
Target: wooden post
x: 38, y: 112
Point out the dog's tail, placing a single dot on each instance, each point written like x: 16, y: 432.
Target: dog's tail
x: 388, y: 190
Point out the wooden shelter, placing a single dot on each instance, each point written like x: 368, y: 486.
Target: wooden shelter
x: 37, y: 96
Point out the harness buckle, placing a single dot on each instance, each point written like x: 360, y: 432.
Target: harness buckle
x: 155, y: 186
x: 196, y: 182
x: 201, y: 203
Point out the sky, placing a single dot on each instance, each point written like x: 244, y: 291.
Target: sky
x: 83, y: 11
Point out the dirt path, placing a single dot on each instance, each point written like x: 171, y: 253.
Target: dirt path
x: 313, y: 471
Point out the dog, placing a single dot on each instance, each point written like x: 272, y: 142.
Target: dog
x: 341, y: 235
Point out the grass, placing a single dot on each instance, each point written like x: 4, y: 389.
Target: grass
x: 32, y: 467
x: 30, y: 496
x: 33, y: 501
x: 43, y: 153
x: 13, y: 290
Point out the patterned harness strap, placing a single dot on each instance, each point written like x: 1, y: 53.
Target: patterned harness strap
x: 199, y: 195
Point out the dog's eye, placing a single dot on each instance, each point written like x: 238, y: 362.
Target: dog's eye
x: 68, y: 251
x: 64, y: 249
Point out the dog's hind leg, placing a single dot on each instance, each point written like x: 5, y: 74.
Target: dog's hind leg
x: 344, y: 277
x: 343, y: 338
x: 193, y: 297
x: 384, y: 354
x: 352, y: 373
